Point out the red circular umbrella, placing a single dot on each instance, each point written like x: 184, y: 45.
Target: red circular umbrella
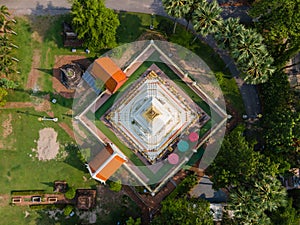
x: 173, y: 158
x: 193, y: 137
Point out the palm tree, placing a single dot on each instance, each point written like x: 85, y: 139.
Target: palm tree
x: 207, y: 19
x: 194, y: 5
x: 177, y: 9
x: 247, y: 49
x: 249, y: 202
x: 228, y: 31
x: 6, y: 59
x: 5, y: 20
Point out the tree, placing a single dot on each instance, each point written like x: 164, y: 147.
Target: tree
x: 7, y: 66
x: 68, y: 209
x: 285, y: 215
x: 182, y: 211
x: 94, y: 23
x: 193, y: 6
x: 131, y: 221
x: 251, y: 56
x: 228, y: 31
x: 282, y: 135
x: 207, y: 18
x: 3, y: 93
x: 177, y: 9
x: 278, y: 21
x: 250, y: 203
x: 70, y: 194
x: 115, y: 186
x: 236, y: 161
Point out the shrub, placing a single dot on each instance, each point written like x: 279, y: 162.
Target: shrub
x: 115, y: 186
x: 70, y: 194
x: 68, y: 209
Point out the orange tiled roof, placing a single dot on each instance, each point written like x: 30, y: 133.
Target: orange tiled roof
x: 106, y: 70
x: 114, y: 164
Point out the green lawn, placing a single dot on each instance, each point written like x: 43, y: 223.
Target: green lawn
x: 21, y: 172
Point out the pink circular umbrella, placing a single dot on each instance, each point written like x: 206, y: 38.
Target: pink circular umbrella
x: 173, y: 158
x: 193, y: 137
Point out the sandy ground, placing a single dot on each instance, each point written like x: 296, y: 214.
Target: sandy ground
x: 48, y: 147
x: 4, y: 200
x: 7, y: 130
x: 34, y: 72
x: 7, y: 126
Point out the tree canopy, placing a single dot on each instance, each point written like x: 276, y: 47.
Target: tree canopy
x: 184, y: 211
x: 250, y: 178
x: 237, y: 163
x: 278, y: 21
x: 95, y: 24
x: 177, y: 9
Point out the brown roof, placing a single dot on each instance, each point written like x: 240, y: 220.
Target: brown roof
x: 106, y: 70
x: 100, y: 158
x: 114, y: 164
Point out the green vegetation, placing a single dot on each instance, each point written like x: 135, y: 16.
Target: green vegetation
x: 70, y: 194
x: 131, y: 221
x: 68, y: 209
x: 255, y: 191
x: 184, y: 210
x: 41, y: 35
x: 95, y: 24
x: 245, y: 45
x: 279, y: 25
x: 24, y: 53
x: 189, y: 181
x: 115, y: 185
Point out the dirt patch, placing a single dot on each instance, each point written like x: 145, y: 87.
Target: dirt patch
x: 15, y: 105
x: 36, y: 36
x: 42, y: 104
x: 7, y: 126
x: 60, y: 61
x: 34, y: 72
x: 48, y: 146
x: 4, y: 200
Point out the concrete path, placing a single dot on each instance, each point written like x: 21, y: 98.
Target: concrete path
x: 34, y: 7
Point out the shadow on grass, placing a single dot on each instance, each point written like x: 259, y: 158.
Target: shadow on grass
x: 26, y: 94
x: 47, y: 71
x: 49, y: 184
x: 130, y: 28
x: 74, y: 157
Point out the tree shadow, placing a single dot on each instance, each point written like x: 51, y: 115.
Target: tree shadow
x: 47, y: 21
x: 60, y: 100
x: 158, y: 8
x: 50, y: 9
x: 28, y: 113
x: 47, y: 71
x: 129, y: 29
x: 49, y: 184
x: 74, y: 158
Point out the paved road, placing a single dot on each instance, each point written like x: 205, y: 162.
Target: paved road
x: 34, y: 7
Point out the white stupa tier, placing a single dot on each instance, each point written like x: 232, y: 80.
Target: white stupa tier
x: 151, y: 116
